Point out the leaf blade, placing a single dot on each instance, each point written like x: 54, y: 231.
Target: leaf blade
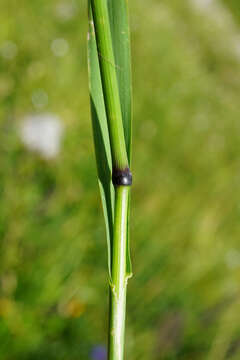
x: 119, y: 23
x: 101, y: 138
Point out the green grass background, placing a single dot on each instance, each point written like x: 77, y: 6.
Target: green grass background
x: 184, y: 298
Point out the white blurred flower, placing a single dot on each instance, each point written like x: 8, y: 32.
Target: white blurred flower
x: 42, y: 133
x: 59, y: 47
x: 8, y: 50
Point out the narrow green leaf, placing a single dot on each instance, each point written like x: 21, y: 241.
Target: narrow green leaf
x: 109, y: 80
x: 119, y: 22
x: 101, y: 137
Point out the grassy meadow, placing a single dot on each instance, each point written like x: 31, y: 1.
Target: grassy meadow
x: 184, y: 298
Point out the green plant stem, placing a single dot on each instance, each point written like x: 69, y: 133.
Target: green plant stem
x: 119, y: 278
x: 109, y: 82
x: 120, y: 164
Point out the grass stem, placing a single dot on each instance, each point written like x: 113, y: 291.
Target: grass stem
x: 119, y: 278
x: 109, y: 83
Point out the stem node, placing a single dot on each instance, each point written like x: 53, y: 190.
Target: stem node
x: 122, y: 177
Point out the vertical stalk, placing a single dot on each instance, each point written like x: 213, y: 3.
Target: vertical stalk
x: 109, y: 82
x: 121, y: 176
x: 119, y: 279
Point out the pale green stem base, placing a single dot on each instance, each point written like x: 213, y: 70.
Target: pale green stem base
x: 119, y: 277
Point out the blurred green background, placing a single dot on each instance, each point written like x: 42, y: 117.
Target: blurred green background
x: 184, y: 298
